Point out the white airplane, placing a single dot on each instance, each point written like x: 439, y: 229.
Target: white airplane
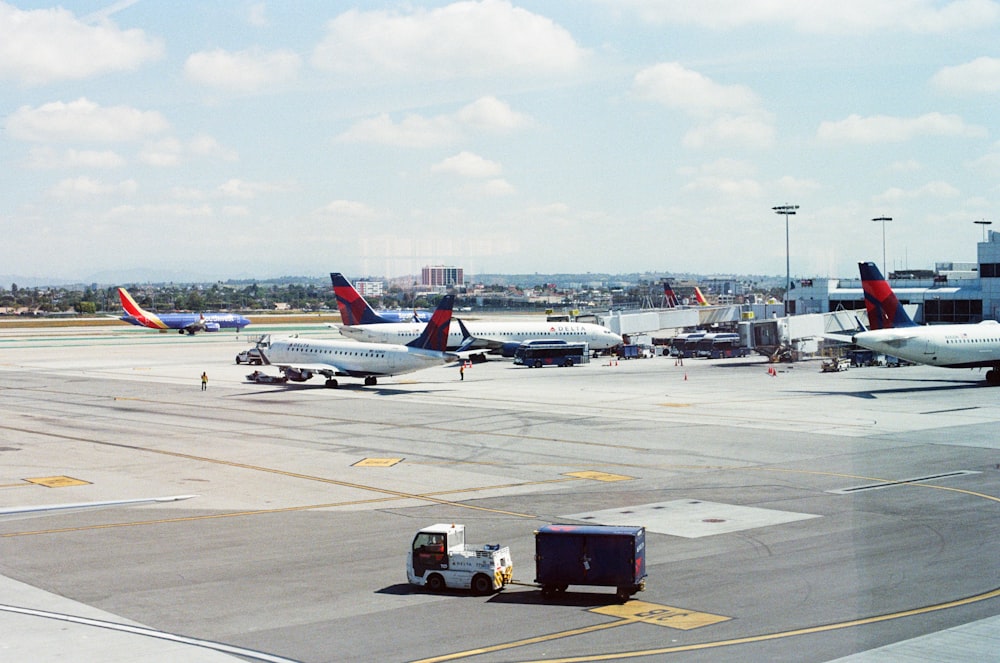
x: 299, y: 359
x: 495, y: 336
x: 891, y: 331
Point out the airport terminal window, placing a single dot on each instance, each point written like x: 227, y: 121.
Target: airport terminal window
x: 989, y: 270
x: 952, y: 311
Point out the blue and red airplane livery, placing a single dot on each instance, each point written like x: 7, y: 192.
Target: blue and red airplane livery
x: 183, y: 322
x: 354, y: 310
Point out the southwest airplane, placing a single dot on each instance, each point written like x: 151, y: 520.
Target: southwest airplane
x: 891, y: 331
x: 182, y: 322
x: 502, y: 337
x: 354, y: 310
x: 299, y: 359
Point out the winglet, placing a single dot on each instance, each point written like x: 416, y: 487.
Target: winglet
x: 354, y: 310
x: 467, y: 338
x: 435, y: 335
x: 884, y: 309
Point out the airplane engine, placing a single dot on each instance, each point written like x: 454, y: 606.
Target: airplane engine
x: 297, y: 376
x: 507, y: 349
x: 212, y: 326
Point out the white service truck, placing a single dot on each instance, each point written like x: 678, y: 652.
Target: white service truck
x: 439, y: 558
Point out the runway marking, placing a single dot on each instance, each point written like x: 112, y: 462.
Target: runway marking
x: 58, y: 482
x: 149, y: 633
x: 378, y: 462
x: 599, y: 476
x: 661, y: 615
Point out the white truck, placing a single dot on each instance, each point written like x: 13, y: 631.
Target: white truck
x: 439, y: 558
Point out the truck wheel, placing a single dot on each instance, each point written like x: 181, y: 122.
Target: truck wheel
x: 481, y: 584
x: 548, y: 591
x: 568, y: 362
x: 623, y: 594
x: 435, y: 582
x: 538, y: 363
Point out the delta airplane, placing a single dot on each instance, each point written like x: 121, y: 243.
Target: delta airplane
x: 891, y: 331
x: 183, y: 322
x: 502, y: 337
x: 354, y: 310
x: 299, y: 359
x: 669, y: 296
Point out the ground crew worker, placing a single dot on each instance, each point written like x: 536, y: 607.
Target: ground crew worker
x: 461, y: 371
x: 204, y: 381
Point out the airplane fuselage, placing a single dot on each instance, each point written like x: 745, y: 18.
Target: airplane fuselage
x: 351, y: 358
x: 184, y: 321
x: 949, y: 346
x: 491, y: 334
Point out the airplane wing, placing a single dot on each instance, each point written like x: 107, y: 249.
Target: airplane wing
x: 29, y: 511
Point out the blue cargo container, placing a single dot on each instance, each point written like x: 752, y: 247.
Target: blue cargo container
x: 602, y: 555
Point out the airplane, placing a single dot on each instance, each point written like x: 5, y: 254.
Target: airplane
x: 892, y: 332
x: 299, y: 359
x: 354, y: 310
x: 183, y: 322
x: 700, y: 298
x: 669, y: 296
x: 502, y: 337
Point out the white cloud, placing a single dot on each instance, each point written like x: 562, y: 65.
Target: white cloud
x: 933, y: 190
x: 492, y: 114
x: 154, y: 211
x: 843, y: 17
x: 171, y: 151
x: 246, y: 71
x: 237, y: 188
x: 350, y: 209
x: 463, y: 39
x: 49, y: 158
x: 165, y: 152
x: 83, y: 120
x: 487, y: 113
x: 679, y: 88
x: 85, y: 187
x: 981, y: 76
x: 467, y: 164
x: 743, y: 130
x: 207, y: 146
x: 888, y: 129
x: 45, y: 45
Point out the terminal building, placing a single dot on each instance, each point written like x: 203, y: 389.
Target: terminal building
x: 953, y: 293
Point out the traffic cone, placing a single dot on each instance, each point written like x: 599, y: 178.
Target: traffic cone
x: 685, y: 377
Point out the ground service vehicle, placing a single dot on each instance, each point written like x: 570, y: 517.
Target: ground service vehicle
x: 603, y: 555
x: 251, y: 356
x: 439, y: 558
x: 544, y: 352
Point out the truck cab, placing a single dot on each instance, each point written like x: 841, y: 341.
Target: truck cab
x: 440, y: 558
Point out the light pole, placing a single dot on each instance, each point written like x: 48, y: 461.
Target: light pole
x: 983, y: 223
x: 787, y: 210
x: 883, y: 219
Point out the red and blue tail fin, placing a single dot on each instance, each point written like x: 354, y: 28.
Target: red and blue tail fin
x: 884, y: 309
x: 435, y: 336
x: 669, y: 296
x: 137, y: 315
x: 354, y: 310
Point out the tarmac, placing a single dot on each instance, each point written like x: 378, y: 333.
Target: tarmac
x: 790, y: 516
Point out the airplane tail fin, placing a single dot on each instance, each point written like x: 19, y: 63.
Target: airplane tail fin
x: 669, y: 296
x: 354, y: 310
x: 884, y: 309
x: 700, y: 297
x: 136, y: 314
x: 435, y: 336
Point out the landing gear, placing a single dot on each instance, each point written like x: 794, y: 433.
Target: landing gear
x: 993, y: 377
x: 371, y: 381
x: 331, y: 383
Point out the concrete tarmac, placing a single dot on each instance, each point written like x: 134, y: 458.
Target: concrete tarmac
x: 802, y: 516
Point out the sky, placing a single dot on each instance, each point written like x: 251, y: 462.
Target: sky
x: 234, y: 139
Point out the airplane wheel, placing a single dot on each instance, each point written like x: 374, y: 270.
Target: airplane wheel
x: 370, y: 381
x: 331, y: 383
x: 993, y: 377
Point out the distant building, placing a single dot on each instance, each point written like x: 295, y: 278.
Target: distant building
x: 369, y: 289
x: 442, y: 276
